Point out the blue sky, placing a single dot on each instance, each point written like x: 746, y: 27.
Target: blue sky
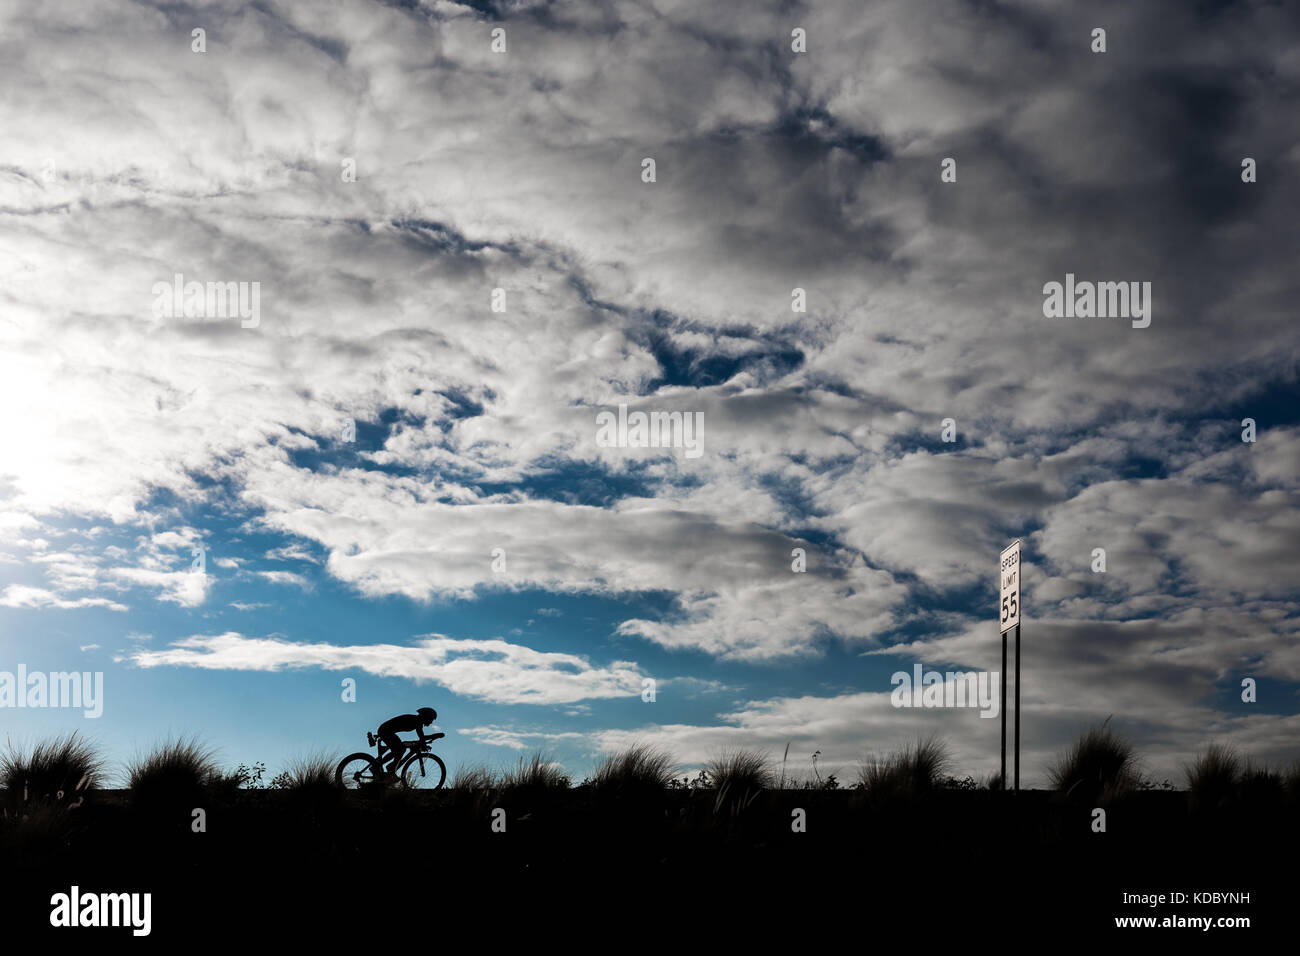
x: 499, y: 271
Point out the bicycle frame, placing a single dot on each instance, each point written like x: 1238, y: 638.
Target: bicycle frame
x: 412, y: 751
x: 413, y: 747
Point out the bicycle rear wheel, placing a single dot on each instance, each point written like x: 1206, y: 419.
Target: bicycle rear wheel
x: 424, y: 771
x: 356, y: 771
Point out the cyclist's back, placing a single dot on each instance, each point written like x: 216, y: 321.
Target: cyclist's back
x: 402, y: 723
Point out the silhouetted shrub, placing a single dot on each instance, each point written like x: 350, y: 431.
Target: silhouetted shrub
x: 1100, y: 766
x: 1213, y: 777
x: 227, y: 783
x: 701, y: 781
x: 639, y: 768
x: 1291, y: 782
x: 536, y: 773
x: 473, y: 777
x: 310, y: 775
x: 1261, y: 787
x: 51, y: 771
x: 917, y: 769
x: 176, y: 772
x: 740, y: 776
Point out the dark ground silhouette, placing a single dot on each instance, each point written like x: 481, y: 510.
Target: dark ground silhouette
x: 283, y: 865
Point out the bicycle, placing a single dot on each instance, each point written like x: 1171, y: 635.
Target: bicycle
x: 420, y: 769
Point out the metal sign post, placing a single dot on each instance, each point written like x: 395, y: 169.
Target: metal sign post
x: 1009, y: 617
x: 1017, y: 708
x: 1003, y: 778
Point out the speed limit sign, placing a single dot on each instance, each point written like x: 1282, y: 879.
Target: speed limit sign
x: 1009, y: 587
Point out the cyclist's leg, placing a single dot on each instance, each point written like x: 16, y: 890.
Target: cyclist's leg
x: 395, y: 751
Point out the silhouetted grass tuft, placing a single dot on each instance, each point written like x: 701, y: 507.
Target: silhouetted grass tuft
x: 473, y: 777
x: 1260, y: 786
x: 1291, y: 781
x: 227, y: 782
x: 1213, y: 777
x: 60, y: 765
x: 740, y: 776
x: 639, y: 768
x: 176, y: 770
x: 314, y: 773
x: 1100, y: 766
x: 536, y: 773
x: 474, y: 788
x: 917, y: 769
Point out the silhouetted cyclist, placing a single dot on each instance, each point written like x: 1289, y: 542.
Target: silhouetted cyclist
x: 391, y: 727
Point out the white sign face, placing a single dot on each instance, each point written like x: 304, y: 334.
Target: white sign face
x: 1009, y: 588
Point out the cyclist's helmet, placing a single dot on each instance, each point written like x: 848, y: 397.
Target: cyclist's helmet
x: 427, y: 714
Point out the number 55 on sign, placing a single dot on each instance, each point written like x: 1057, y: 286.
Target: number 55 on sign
x: 1009, y: 587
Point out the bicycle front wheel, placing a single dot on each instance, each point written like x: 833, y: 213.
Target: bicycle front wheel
x: 424, y: 771
x: 356, y: 771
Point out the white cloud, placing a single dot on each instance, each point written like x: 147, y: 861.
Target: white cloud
x: 285, y: 577
x: 490, y: 670
x: 18, y: 595
x: 186, y: 588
